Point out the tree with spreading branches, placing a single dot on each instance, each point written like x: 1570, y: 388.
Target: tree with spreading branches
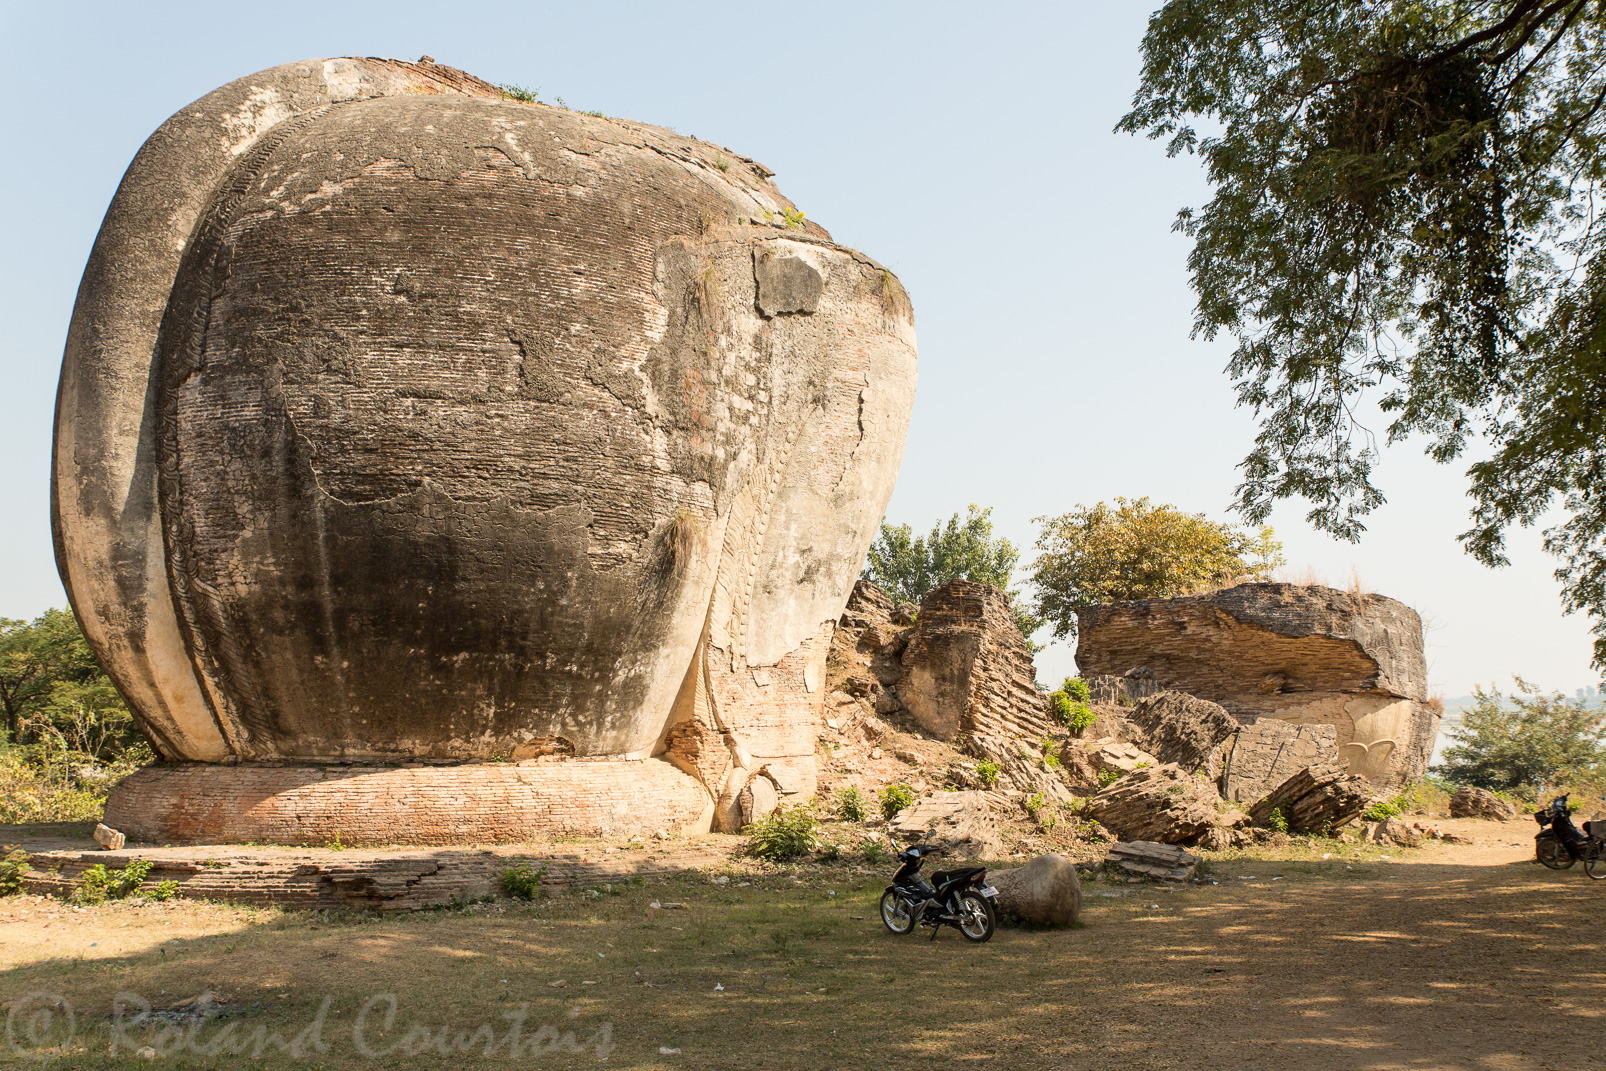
x: 1406, y: 215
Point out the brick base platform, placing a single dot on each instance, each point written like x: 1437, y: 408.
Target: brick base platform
x: 495, y: 803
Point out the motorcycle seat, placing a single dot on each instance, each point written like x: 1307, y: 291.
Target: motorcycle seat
x: 943, y: 877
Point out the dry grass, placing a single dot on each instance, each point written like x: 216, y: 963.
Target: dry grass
x: 1369, y: 958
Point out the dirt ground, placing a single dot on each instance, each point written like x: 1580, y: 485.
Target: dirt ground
x: 1314, y: 955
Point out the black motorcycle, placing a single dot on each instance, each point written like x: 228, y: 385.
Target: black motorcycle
x: 1559, y: 844
x: 959, y: 898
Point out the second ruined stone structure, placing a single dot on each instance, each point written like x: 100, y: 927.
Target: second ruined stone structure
x: 432, y: 466
x: 968, y: 670
x: 1300, y: 654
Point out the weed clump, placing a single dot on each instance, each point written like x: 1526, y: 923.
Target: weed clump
x: 786, y: 834
x: 98, y: 884
x: 850, y: 804
x: 521, y: 94
x: 523, y: 882
x: 988, y: 771
x: 895, y: 798
x: 1381, y: 810
x: 13, y: 868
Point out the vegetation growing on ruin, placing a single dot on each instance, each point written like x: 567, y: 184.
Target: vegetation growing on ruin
x: 1136, y: 550
x: 851, y: 805
x: 520, y: 93
x: 522, y: 882
x: 1070, y: 705
x: 895, y: 798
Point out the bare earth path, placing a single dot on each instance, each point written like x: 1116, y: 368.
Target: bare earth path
x: 1463, y: 957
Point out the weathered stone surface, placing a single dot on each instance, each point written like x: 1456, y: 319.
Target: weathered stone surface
x: 1471, y: 802
x: 959, y: 823
x: 497, y: 803
x: 390, y: 880
x: 1314, y: 800
x: 1395, y: 831
x: 1182, y: 728
x: 1123, y: 691
x: 967, y: 669
x: 867, y: 606
x: 1161, y: 803
x: 399, y: 420
x: 1304, y: 654
x: 1020, y: 766
x: 1165, y: 862
x: 905, y: 613
x: 1120, y: 756
x: 109, y: 838
x: 1221, y: 838
x: 1262, y: 756
x: 1077, y: 766
x: 758, y: 799
x: 1045, y: 890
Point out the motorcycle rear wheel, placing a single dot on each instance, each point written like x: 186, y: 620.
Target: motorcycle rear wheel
x: 897, y: 913
x: 1552, y: 852
x: 976, y: 919
x: 1595, y: 858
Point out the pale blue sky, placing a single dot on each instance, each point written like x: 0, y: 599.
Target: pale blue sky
x: 968, y: 147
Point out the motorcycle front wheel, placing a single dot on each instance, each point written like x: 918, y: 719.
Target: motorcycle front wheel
x: 1595, y: 858
x: 897, y: 913
x: 976, y: 919
x: 1552, y: 852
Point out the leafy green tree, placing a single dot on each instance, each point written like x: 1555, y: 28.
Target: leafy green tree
x: 1531, y: 741
x: 1134, y: 550
x: 54, y: 693
x: 907, y: 566
x: 1405, y: 213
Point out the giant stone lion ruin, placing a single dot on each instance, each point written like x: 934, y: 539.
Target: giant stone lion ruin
x: 435, y: 467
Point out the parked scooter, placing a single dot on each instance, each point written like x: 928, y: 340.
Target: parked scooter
x: 959, y: 898
x: 1559, y: 844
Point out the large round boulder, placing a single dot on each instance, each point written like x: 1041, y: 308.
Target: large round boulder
x: 1046, y: 890
x: 403, y: 421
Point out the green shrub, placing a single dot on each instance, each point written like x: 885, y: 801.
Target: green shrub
x: 13, y: 868
x: 786, y: 834
x: 1525, y: 742
x: 1381, y: 809
x: 850, y: 804
x: 522, y: 882
x: 165, y: 890
x: 895, y: 798
x: 1069, y: 704
x: 1108, y: 777
x: 988, y: 771
x: 1041, y: 809
x: 1051, y: 757
x: 97, y: 884
x: 1278, y: 820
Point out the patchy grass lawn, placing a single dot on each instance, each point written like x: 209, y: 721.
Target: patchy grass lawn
x: 1453, y: 957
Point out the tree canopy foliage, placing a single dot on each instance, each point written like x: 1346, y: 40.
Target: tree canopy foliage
x: 907, y: 566
x: 1405, y: 214
x: 1134, y: 550
x: 1531, y: 742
